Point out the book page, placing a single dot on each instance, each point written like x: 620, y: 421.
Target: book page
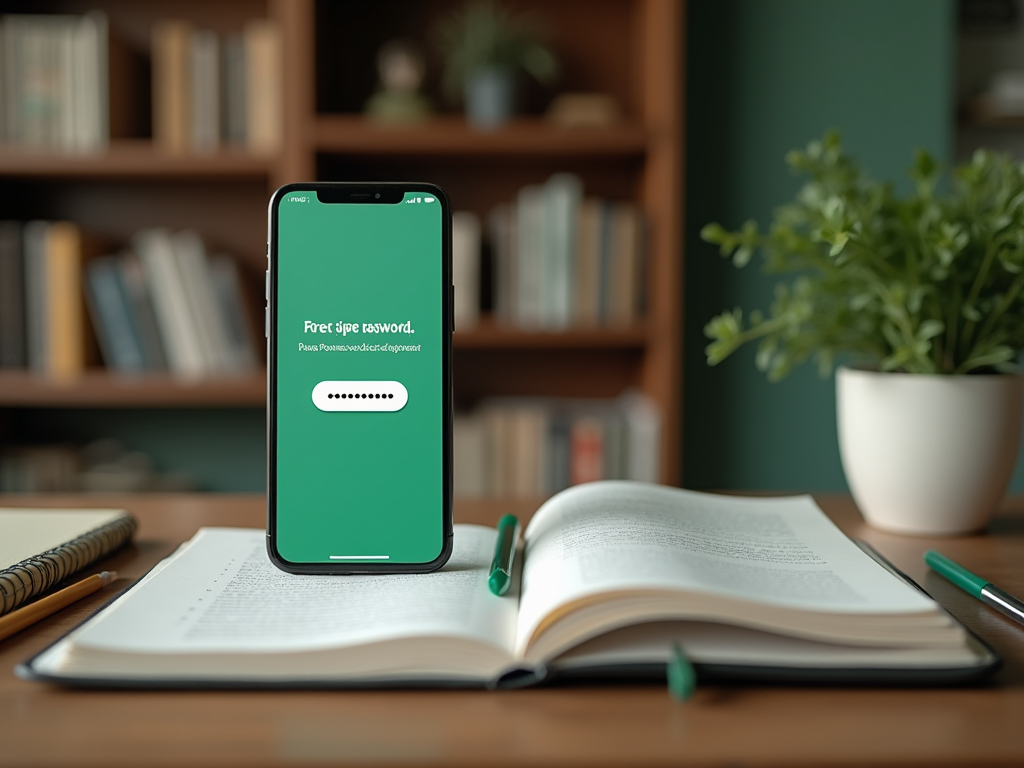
x: 619, y: 535
x: 220, y: 592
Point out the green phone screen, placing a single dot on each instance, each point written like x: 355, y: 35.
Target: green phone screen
x: 359, y: 389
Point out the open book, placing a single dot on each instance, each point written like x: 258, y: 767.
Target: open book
x: 611, y: 574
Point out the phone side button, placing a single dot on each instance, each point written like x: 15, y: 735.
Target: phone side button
x: 453, y: 309
x: 267, y: 286
x: 266, y: 322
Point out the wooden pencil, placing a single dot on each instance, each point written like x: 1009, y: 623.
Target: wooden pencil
x: 33, y: 612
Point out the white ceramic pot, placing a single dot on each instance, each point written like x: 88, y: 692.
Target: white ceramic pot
x: 929, y: 455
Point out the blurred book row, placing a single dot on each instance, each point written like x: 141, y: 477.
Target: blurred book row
x: 160, y: 305
x: 68, y: 83
x: 55, y: 81
x: 211, y: 90
x: 557, y: 259
x: 100, y: 466
x: 534, y: 447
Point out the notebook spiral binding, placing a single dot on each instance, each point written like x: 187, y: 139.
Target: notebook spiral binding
x: 26, y: 579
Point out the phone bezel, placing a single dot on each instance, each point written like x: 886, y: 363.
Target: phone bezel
x: 447, y: 320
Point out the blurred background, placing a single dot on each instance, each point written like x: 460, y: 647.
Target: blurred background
x: 141, y: 141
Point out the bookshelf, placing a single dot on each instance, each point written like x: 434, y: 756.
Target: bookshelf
x: 132, y: 159
x: 630, y: 49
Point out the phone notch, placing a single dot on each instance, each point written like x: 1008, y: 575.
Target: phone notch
x: 381, y: 195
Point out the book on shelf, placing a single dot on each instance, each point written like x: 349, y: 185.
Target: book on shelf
x: 120, y: 341
x: 163, y: 305
x: 562, y: 259
x: 264, y: 95
x: 65, y: 82
x: 534, y: 447
x: 104, y: 465
x: 50, y: 313
x: 466, y: 242
x: 211, y: 91
x: 611, y: 576
x: 39, y: 468
x: 12, y: 297
x: 197, y: 303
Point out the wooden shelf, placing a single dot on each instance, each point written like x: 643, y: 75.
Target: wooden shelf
x: 100, y: 389
x: 453, y: 136
x: 131, y: 159
x: 979, y: 113
x: 488, y: 335
x: 993, y: 121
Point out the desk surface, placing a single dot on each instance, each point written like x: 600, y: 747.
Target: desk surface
x: 592, y: 726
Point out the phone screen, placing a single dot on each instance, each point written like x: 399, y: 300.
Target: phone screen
x: 360, y: 381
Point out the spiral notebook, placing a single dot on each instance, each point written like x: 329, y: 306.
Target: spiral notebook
x: 41, y: 547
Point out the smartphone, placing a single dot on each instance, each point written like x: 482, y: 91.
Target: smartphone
x: 359, y: 391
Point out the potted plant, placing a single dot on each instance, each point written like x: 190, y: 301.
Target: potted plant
x: 485, y: 46
x: 922, y: 298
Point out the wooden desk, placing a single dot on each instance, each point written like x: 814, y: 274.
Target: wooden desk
x: 587, y: 726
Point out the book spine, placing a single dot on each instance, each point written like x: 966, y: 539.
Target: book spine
x: 563, y: 193
x: 171, y: 87
x: 204, y: 61
x: 466, y: 268
x: 96, y: 34
x: 70, y: 87
x: 587, y: 446
x: 529, y: 213
x: 264, y: 130
x: 203, y: 315
x: 11, y: 67
x: 140, y: 306
x: 469, y: 454
x: 36, y: 314
x: 604, y: 262
x: 500, y: 226
x: 23, y: 581
x: 12, y: 297
x: 230, y: 302
x: 625, y: 236
x: 164, y: 284
x: 587, y: 286
x: 233, y: 98
x: 108, y: 305
x: 66, y: 311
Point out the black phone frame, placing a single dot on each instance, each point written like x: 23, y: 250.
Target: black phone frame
x: 340, y: 192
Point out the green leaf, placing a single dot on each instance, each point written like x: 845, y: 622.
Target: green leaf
x: 929, y: 329
x: 971, y: 312
x: 840, y: 241
x: 998, y: 356
x: 861, y: 301
x: 714, y: 233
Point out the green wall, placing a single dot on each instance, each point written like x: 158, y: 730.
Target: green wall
x: 763, y: 77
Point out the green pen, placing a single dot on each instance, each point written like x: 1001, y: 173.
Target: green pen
x: 682, y: 677
x: 504, y: 553
x: 988, y: 593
